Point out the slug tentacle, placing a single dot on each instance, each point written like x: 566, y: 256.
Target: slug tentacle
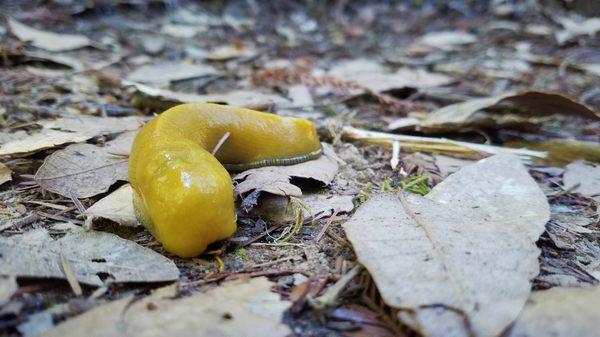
x: 182, y: 193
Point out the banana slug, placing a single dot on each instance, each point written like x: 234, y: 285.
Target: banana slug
x: 182, y: 193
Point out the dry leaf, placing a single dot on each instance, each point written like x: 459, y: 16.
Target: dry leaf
x: 5, y: 174
x: 448, y: 165
x: 69, y: 130
x: 163, y: 73
x: 8, y: 286
x: 85, y: 170
x: 65, y: 60
x: 117, y: 206
x: 377, y: 78
x: 241, y: 98
x: 585, y: 175
x: 228, y: 52
x: 276, y: 208
x: 560, y: 312
x: 468, y: 114
x: 576, y: 27
x: 448, y: 40
x: 233, y: 309
x: 277, y: 179
x: 91, y: 255
x: 47, y: 40
x: 467, y: 248
x: 36, y: 324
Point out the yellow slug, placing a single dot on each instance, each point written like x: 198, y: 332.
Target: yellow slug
x: 182, y: 193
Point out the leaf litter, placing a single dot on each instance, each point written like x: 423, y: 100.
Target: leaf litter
x: 92, y: 256
x: 466, y: 252
x: 237, y: 308
x: 353, y: 71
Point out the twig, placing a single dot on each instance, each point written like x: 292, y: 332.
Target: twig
x: 29, y: 218
x: 78, y: 204
x: 395, y: 154
x: 70, y: 275
x: 59, y: 218
x: 220, y: 142
x: 243, y: 273
x: 327, y: 224
x: 270, y: 263
x: 443, y: 145
x: 331, y: 295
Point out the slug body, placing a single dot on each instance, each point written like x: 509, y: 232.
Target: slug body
x: 182, y: 193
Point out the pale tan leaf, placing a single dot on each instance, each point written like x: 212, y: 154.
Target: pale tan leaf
x: 377, y: 78
x: 85, y: 170
x: 448, y: 40
x: 583, y: 178
x: 233, y: 309
x: 530, y: 107
x: 47, y: 40
x: 8, y: 286
x: 242, y: 98
x: 560, y: 312
x: 163, y: 73
x: 277, y: 179
x: 227, y: 52
x: 276, y: 208
x: 5, y: 174
x: 464, y: 253
x: 69, y: 130
x: 448, y: 165
x: 117, y: 206
x: 89, y: 254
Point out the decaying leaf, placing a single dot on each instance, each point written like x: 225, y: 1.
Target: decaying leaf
x: 560, y: 312
x: 241, y: 98
x: 448, y: 40
x: 91, y: 255
x: 575, y: 27
x: 47, y: 40
x: 448, y: 165
x: 470, y: 113
x: 233, y: 309
x: 461, y: 258
x: 5, y: 174
x: 69, y: 130
x: 583, y: 178
x: 163, y: 73
x: 36, y: 324
x: 277, y: 179
x: 117, y: 206
x: 276, y: 208
x: 85, y: 170
x: 228, y: 52
x: 377, y: 78
x: 8, y: 285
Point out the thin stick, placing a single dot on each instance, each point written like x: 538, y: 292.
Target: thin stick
x: 78, y: 204
x: 270, y: 263
x: 395, y: 154
x: 327, y: 224
x: 70, y: 275
x: 220, y: 142
x: 443, y: 145
x: 331, y: 295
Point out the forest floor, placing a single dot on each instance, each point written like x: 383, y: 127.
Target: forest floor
x: 513, y: 76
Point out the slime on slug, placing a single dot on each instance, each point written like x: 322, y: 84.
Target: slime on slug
x: 182, y: 193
